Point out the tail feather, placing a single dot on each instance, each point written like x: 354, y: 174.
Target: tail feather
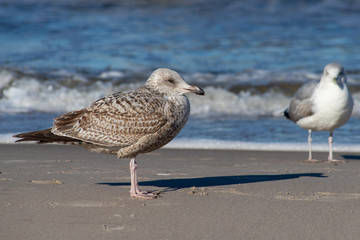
x: 44, y: 136
x: 286, y: 113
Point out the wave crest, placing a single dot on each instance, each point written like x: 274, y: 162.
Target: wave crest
x: 251, y: 93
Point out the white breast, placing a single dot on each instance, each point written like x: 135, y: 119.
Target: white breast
x: 332, y: 107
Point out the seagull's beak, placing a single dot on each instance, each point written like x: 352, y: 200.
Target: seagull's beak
x: 339, y: 79
x: 196, y: 90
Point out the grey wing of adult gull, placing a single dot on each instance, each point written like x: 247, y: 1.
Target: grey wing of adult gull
x: 301, y: 105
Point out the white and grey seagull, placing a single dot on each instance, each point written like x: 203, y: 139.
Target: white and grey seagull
x: 322, y: 106
x: 126, y: 123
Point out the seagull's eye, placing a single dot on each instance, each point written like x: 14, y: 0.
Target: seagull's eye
x: 171, y: 81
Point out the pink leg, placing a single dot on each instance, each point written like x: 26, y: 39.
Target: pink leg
x: 310, y: 159
x: 134, y: 188
x: 330, y: 158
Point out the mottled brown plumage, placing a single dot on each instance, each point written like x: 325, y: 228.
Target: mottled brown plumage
x: 126, y: 123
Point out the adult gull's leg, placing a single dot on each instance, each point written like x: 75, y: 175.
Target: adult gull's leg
x: 330, y: 158
x: 309, y: 142
x: 310, y: 159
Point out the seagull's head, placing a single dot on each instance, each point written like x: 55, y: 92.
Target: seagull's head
x: 335, y: 73
x: 171, y: 83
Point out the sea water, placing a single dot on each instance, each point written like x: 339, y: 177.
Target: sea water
x: 249, y: 56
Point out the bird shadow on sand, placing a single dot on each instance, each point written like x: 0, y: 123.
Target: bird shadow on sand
x: 351, y: 157
x: 180, y: 183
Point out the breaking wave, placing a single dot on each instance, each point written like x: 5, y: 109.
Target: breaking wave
x: 249, y: 93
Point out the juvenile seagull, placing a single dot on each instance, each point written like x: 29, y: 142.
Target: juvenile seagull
x: 126, y: 123
x: 322, y: 106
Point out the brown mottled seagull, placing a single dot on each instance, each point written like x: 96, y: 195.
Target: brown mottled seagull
x: 126, y: 123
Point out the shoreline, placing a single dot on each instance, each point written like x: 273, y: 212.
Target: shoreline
x: 204, y: 144
x: 71, y: 193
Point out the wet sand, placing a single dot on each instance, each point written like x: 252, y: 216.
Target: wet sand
x: 66, y: 192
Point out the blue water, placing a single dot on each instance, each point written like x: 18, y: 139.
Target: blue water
x: 250, y: 56
x: 190, y: 36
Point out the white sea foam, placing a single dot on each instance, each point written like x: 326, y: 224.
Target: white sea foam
x: 5, y: 78
x: 241, y: 145
x: 7, y: 138
x: 29, y: 94
x: 70, y: 91
x: 111, y: 74
x: 235, y: 145
x: 221, y: 101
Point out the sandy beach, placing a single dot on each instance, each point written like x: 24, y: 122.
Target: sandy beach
x: 66, y: 192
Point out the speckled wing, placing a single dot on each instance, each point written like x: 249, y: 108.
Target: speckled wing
x: 301, y: 106
x: 120, y: 119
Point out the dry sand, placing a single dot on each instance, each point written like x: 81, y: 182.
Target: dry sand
x: 66, y: 192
